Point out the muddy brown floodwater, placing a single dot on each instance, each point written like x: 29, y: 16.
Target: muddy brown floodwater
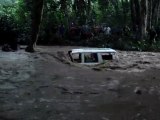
x: 46, y: 86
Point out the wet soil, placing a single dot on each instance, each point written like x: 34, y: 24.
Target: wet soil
x: 46, y: 86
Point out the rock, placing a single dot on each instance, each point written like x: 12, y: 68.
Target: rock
x: 138, y: 90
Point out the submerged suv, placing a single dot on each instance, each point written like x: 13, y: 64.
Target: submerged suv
x: 91, y: 56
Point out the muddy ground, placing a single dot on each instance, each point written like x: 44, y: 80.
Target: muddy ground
x: 46, y: 86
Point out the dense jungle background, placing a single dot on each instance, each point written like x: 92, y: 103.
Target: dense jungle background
x: 120, y: 24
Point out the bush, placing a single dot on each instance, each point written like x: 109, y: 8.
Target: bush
x: 8, y: 30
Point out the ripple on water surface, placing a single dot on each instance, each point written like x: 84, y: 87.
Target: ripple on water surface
x: 13, y: 56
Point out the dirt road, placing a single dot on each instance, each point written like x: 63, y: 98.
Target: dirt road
x: 46, y: 86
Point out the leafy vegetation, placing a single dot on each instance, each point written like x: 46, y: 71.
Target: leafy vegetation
x: 16, y: 19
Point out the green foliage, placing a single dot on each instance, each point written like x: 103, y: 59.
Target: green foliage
x: 114, y: 13
x: 16, y: 17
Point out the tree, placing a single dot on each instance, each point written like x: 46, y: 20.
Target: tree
x: 88, y: 9
x: 36, y: 16
x: 125, y: 7
x: 139, y: 15
x: 155, y: 11
x: 136, y: 14
x: 79, y: 7
x: 144, y: 15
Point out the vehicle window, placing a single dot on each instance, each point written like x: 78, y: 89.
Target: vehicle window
x: 90, y: 57
x: 76, y: 57
x: 107, y: 56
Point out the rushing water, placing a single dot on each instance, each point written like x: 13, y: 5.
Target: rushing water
x: 12, y: 56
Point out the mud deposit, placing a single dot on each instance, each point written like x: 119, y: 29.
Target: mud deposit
x: 46, y: 86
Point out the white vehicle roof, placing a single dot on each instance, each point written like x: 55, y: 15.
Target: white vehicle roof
x: 93, y: 50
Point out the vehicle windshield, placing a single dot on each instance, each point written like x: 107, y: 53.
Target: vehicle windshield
x: 90, y: 57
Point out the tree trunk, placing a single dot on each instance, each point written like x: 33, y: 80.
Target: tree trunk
x: 150, y: 5
x: 116, y: 7
x: 88, y: 10
x: 36, y: 16
x: 138, y: 14
x: 124, y: 11
x: 144, y: 14
x: 155, y: 11
x: 133, y: 15
x: 125, y: 7
x: 157, y: 15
